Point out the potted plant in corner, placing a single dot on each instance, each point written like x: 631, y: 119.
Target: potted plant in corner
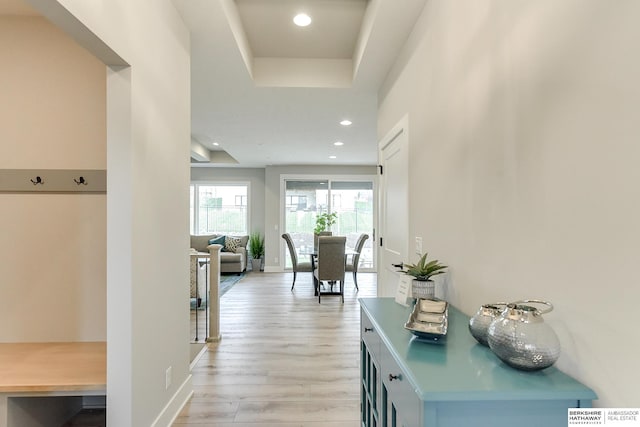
x: 256, y: 247
x: 422, y: 271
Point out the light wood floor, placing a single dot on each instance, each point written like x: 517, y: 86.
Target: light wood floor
x: 284, y: 360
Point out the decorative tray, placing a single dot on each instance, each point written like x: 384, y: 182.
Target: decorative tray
x: 429, y: 320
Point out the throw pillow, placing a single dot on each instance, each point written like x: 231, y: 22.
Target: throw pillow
x: 231, y: 244
x: 217, y: 241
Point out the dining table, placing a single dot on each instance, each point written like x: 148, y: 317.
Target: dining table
x: 313, y: 255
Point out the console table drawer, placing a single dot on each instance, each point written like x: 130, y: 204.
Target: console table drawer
x: 401, y: 394
x: 369, y: 335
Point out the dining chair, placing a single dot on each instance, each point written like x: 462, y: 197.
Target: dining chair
x: 331, y: 263
x: 317, y: 235
x: 355, y: 259
x: 297, y: 266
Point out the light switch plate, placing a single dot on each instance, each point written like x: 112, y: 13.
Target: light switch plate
x: 418, y: 245
x: 168, y: 378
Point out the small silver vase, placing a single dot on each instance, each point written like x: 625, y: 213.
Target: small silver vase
x: 479, y: 323
x: 521, y: 338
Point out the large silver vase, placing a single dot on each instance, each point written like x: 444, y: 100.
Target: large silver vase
x: 479, y: 323
x: 521, y: 338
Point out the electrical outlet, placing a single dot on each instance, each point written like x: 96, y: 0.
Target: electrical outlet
x: 167, y: 378
x: 275, y: 260
x: 418, y: 245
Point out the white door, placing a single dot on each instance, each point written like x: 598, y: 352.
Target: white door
x: 393, y: 237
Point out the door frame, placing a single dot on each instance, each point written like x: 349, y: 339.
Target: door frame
x: 402, y: 127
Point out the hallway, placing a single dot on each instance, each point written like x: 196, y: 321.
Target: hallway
x: 284, y: 359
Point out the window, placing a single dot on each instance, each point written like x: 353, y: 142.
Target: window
x: 219, y: 209
x: 353, y: 201
x: 296, y: 203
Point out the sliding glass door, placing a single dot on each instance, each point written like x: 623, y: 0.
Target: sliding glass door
x: 353, y: 202
x: 304, y: 200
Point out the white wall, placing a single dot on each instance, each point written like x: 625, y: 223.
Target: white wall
x: 523, y: 124
x: 53, y: 252
x: 148, y: 122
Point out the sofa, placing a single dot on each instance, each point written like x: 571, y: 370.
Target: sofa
x: 232, y: 259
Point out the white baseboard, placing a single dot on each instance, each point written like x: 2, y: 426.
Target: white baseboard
x: 172, y: 409
x: 195, y: 360
x: 268, y: 269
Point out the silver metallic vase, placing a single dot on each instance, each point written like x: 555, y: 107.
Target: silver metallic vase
x: 521, y: 338
x: 479, y: 323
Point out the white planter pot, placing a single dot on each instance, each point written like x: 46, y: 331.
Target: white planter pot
x: 423, y: 289
x: 256, y: 264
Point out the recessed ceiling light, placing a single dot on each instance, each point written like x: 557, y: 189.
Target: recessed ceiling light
x: 302, y: 20
x: 332, y: 157
x: 346, y: 122
x: 216, y: 144
x: 338, y: 143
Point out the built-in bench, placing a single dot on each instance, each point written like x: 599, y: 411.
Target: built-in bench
x: 45, y: 384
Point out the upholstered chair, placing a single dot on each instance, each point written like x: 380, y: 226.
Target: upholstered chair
x: 315, y: 238
x: 352, y: 265
x: 331, y: 263
x: 297, y: 266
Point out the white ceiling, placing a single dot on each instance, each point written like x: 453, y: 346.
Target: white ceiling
x: 271, y: 93
x: 271, y: 32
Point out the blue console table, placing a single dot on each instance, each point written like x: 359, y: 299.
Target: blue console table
x: 410, y: 383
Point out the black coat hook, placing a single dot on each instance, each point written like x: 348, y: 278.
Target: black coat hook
x: 37, y: 181
x: 80, y: 181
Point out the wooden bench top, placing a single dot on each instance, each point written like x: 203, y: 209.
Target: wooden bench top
x: 55, y: 366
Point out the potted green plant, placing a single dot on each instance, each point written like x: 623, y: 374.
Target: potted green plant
x: 423, y: 271
x: 256, y: 248
x: 324, y: 221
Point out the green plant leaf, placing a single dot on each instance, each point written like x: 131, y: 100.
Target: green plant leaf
x: 324, y: 221
x: 431, y: 263
x: 423, y: 269
x: 256, y: 245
